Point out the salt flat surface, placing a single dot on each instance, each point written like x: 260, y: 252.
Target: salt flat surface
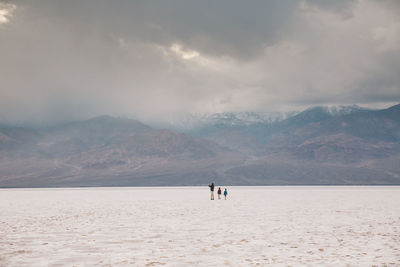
x: 328, y: 226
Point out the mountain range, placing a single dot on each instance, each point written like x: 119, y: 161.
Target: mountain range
x: 319, y: 146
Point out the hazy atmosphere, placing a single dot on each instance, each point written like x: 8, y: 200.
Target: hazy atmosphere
x: 120, y: 118
x: 65, y: 60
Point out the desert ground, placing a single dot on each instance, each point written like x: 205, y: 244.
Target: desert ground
x: 181, y: 226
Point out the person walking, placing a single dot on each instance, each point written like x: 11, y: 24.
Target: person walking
x: 211, y: 186
x: 225, y: 193
x: 219, y: 192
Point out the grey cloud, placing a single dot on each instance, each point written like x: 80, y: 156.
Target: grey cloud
x: 233, y: 27
x: 337, y: 5
x: 72, y: 59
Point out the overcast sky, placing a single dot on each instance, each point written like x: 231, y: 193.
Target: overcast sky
x: 153, y: 59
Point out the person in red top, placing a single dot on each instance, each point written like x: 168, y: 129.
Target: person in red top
x: 219, y: 192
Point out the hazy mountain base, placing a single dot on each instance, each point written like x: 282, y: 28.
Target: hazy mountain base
x: 233, y: 171
x: 159, y: 172
x: 283, y: 172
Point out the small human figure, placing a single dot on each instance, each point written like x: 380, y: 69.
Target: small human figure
x: 225, y: 193
x: 219, y: 192
x: 211, y: 186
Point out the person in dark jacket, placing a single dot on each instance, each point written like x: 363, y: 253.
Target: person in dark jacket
x: 225, y: 193
x: 219, y: 192
x: 211, y: 186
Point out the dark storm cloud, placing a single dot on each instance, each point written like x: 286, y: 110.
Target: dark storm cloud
x: 72, y: 59
x: 232, y: 27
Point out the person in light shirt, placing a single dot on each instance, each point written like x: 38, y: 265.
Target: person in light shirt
x: 211, y: 186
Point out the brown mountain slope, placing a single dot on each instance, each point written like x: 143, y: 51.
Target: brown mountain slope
x: 108, y: 151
